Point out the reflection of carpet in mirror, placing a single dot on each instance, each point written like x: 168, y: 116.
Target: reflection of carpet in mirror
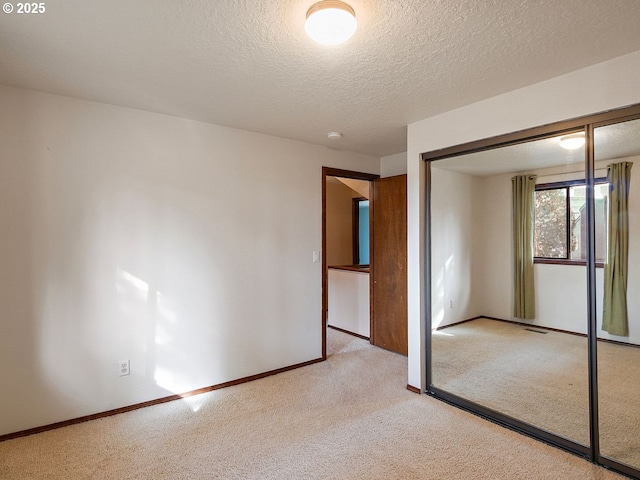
x: 542, y: 379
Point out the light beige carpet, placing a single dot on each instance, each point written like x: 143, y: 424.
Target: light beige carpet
x: 350, y: 417
x: 541, y: 378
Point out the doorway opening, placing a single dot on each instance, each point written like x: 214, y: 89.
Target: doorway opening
x: 346, y: 255
x: 378, y: 304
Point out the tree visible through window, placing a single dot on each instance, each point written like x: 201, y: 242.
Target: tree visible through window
x: 560, y: 221
x: 550, y: 235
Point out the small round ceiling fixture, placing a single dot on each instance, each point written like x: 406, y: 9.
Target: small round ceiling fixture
x: 572, y: 141
x: 330, y: 22
x: 334, y: 135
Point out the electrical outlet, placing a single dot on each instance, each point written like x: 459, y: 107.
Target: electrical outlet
x: 123, y: 368
x: 450, y: 303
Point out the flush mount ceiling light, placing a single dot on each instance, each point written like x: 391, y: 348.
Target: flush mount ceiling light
x: 330, y: 22
x: 572, y: 141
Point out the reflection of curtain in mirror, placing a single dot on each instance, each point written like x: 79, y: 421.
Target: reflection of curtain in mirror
x: 523, y: 187
x: 614, y: 314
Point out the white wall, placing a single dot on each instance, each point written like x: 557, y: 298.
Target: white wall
x: 349, y: 301
x: 454, y: 242
x: 604, y: 86
x: 183, y: 246
x: 393, y: 165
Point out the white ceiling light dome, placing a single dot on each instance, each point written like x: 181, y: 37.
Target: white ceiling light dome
x: 330, y: 22
x: 572, y: 141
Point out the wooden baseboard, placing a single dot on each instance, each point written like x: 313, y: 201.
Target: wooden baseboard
x: 463, y: 321
x: 348, y: 332
x: 413, y: 389
x: 170, y: 398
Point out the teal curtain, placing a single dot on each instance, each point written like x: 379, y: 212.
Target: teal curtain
x: 614, y: 313
x: 523, y: 187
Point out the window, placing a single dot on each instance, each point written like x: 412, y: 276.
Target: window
x: 560, y: 222
x: 360, y: 231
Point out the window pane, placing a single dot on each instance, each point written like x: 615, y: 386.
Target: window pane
x: 601, y: 201
x: 579, y: 222
x: 551, y: 224
x: 578, y: 227
x: 363, y: 232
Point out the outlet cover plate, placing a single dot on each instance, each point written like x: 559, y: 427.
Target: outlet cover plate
x: 123, y: 368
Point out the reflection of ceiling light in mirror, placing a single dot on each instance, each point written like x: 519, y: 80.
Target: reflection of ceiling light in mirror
x: 330, y: 22
x: 573, y: 141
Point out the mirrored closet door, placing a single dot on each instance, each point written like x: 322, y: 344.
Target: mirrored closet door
x: 533, y: 283
x: 509, y: 280
x: 617, y: 159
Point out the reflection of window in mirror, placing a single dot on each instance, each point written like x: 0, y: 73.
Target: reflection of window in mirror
x: 561, y: 225
x: 360, y: 231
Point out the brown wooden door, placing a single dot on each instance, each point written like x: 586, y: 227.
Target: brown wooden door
x: 389, y: 264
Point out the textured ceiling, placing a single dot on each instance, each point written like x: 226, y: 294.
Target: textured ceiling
x: 248, y: 64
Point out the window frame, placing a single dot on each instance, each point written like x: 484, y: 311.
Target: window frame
x: 566, y: 185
